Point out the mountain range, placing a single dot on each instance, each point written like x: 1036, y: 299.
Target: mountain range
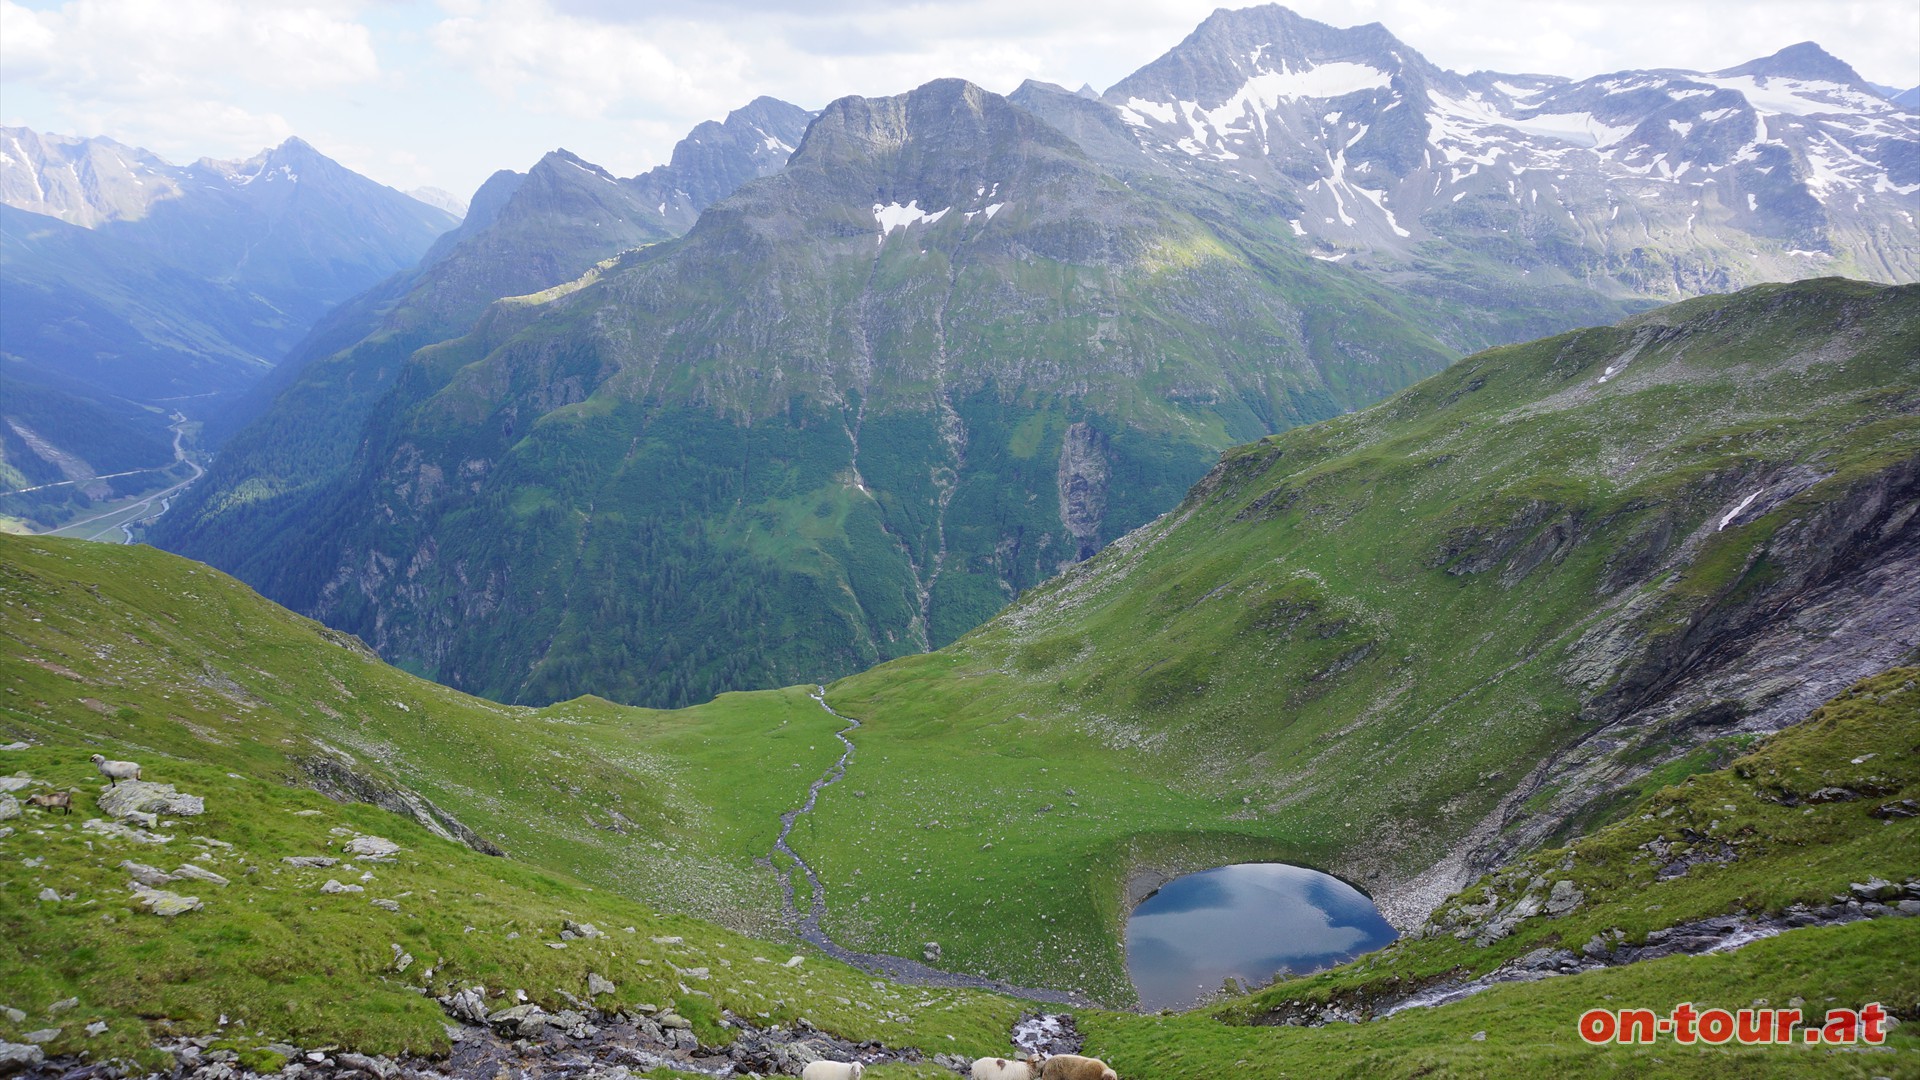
x: 1064, y: 304
x: 192, y: 285
x: 131, y: 288
x: 866, y: 400
x: 286, y: 447
x: 1659, y: 183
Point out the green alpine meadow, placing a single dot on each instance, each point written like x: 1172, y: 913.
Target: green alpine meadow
x: 1238, y: 680
x: 1310, y: 561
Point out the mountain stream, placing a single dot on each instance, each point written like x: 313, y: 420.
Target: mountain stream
x: 897, y: 968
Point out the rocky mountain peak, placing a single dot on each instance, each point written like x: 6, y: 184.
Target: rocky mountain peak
x: 717, y: 156
x: 561, y: 162
x: 1790, y: 163
x: 1231, y: 48
x: 942, y: 144
x: 492, y: 195
x: 1805, y: 60
x: 85, y: 182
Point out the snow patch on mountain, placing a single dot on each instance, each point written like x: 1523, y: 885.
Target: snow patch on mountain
x: 1723, y: 175
x: 891, y: 216
x: 1798, y: 97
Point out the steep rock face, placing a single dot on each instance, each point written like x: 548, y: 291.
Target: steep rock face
x: 828, y: 426
x: 1756, y: 664
x: 1082, y: 483
x: 1635, y: 184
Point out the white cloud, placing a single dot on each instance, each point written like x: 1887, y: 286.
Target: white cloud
x: 137, y: 48
x: 184, y: 78
x: 547, y: 61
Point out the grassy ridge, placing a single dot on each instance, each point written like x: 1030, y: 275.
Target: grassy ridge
x: 1354, y: 640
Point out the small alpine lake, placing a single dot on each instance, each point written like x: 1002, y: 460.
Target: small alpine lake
x: 1247, y: 922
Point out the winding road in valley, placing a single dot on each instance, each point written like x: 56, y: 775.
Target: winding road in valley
x: 141, y: 510
x: 898, y: 968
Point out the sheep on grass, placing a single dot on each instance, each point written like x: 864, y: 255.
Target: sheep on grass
x: 116, y: 771
x: 1075, y: 1067
x: 993, y: 1068
x: 832, y: 1070
x: 52, y: 800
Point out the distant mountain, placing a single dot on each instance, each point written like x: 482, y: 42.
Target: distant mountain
x: 84, y: 182
x: 127, y: 282
x: 525, y: 232
x: 287, y: 442
x: 861, y: 404
x: 717, y: 157
x: 289, y: 224
x: 1637, y: 184
x: 961, y: 341
x: 1908, y: 99
x: 441, y: 199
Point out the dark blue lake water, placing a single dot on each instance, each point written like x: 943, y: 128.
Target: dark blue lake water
x: 1248, y: 922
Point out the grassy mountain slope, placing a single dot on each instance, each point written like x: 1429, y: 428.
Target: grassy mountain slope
x: 1397, y: 644
x: 139, y: 654
x: 1767, y: 847
x: 1750, y: 838
x: 85, y: 307
x: 174, y: 658
x: 289, y: 963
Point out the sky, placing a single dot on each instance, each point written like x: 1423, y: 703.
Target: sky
x: 442, y: 93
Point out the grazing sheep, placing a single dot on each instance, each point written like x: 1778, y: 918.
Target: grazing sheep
x: 1006, y: 1068
x: 116, y: 771
x: 49, y: 800
x: 1075, y: 1067
x: 832, y: 1070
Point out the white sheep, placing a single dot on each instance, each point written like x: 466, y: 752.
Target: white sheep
x: 116, y: 771
x: 988, y: 1068
x: 1075, y: 1067
x: 832, y: 1070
